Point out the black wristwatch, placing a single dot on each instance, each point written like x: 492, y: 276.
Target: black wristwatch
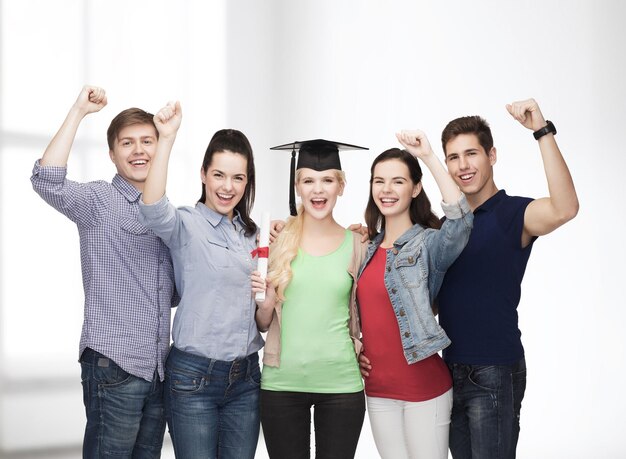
x: 547, y: 129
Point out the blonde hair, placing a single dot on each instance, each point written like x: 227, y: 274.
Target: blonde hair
x: 285, y: 248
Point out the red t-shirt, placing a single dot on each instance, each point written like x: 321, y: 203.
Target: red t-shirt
x: 391, y: 376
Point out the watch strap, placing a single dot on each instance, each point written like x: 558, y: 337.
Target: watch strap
x: 547, y: 129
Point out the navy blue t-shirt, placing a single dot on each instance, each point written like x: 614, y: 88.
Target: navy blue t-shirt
x: 481, y: 290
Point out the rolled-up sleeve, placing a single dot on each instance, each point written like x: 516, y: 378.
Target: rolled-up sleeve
x: 77, y: 201
x: 458, y: 209
x: 447, y: 243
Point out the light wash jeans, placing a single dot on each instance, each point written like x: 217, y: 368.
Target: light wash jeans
x: 125, y: 414
x: 486, y: 410
x: 411, y: 430
x: 212, y: 406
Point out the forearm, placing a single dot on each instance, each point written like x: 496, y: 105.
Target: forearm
x: 563, y: 198
x: 450, y: 192
x: 264, y: 317
x: 58, y: 151
x: 156, y: 181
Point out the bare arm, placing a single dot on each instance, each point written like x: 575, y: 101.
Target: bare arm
x: 544, y: 215
x: 265, y: 310
x: 416, y: 143
x: 167, y: 122
x: 90, y: 100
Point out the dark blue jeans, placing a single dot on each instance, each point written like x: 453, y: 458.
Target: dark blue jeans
x: 125, y: 414
x: 212, y: 406
x: 487, y: 400
x: 286, y: 420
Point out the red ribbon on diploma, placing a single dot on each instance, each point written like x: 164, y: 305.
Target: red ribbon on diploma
x: 261, y: 252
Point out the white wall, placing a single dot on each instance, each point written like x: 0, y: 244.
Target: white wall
x: 353, y: 71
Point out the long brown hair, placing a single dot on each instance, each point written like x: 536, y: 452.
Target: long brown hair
x: 236, y: 142
x: 420, y: 210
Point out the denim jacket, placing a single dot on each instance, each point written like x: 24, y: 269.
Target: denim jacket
x: 414, y: 271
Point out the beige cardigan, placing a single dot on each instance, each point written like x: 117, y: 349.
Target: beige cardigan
x: 271, y: 353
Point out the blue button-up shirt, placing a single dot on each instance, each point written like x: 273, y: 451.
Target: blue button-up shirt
x: 128, y: 275
x: 212, y: 264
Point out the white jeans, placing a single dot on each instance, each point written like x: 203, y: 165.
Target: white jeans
x: 411, y: 430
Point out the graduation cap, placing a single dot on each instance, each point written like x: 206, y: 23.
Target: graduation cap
x: 318, y: 154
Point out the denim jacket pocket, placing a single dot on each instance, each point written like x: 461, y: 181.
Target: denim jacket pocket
x: 409, y: 266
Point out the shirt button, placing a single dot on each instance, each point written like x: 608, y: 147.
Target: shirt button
x: 393, y: 290
x: 402, y: 313
x: 407, y: 334
x: 414, y: 354
x: 388, y: 268
x: 411, y: 259
x: 395, y: 251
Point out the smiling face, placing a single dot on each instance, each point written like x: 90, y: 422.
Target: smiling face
x: 132, y: 152
x: 319, y: 191
x: 225, y: 181
x: 471, y: 167
x: 392, y: 188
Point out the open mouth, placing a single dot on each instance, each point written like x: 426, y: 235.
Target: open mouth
x: 225, y: 198
x: 388, y: 202
x: 139, y: 162
x: 318, y: 203
x: 467, y: 177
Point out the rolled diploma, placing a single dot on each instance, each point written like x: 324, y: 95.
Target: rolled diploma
x: 264, y: 241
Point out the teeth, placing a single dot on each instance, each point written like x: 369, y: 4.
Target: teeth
x: 388, y: 200
x: 139, y: 162
x: 225, y: 196
x: 466, y: 176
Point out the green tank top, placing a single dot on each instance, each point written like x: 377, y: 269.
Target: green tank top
x: 317, y: 353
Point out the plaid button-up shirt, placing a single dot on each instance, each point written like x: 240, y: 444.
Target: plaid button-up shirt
x: 127, y: 271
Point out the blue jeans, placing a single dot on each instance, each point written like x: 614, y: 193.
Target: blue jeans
x: 212, y: 406
x: 487, y: 400
x: 125, y: 414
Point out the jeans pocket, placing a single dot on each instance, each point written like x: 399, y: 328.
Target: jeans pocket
x: 107, y: 373
x: 254, y: 376
x: 488, y: 377
x: 185, y: 384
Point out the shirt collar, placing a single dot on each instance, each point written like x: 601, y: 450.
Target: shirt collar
x: 493, y: 201
x: 215, y: 218
x: 408, y: 235
x: 403, y: 239
x: 131, y: 193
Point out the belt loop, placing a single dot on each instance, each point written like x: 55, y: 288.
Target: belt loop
x: 209, y: 371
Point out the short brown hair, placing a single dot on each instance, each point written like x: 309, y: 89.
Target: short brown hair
x: 126, y: 118
x: 468, y: 125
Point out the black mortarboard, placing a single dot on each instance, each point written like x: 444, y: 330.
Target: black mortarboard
x: 319, y: 155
